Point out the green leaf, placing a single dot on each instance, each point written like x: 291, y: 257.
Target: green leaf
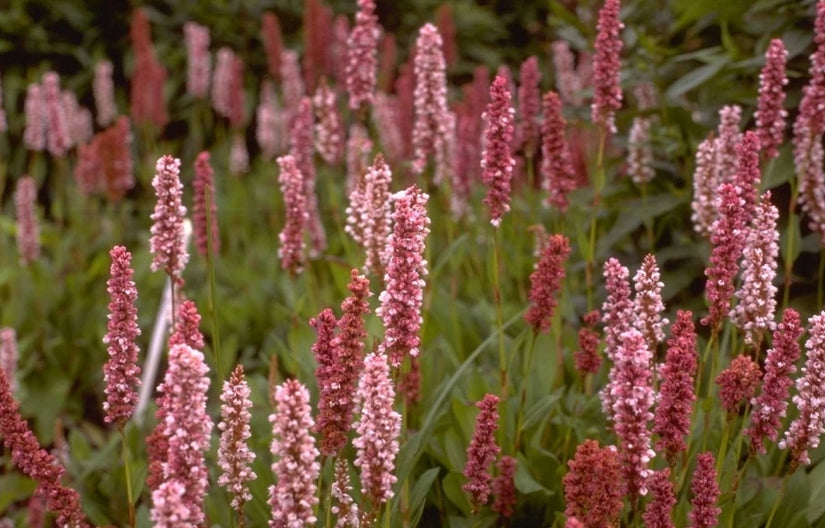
x: 695, y: 78
x: 452, y: 484
x: 420, y: 492
x: 540, y: 410
x: 816, y: 483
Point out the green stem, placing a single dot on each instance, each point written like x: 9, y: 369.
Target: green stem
x: 127, y: 471
x: 778, y: 500
x: 648, y: 220
x: 789, y: 240
x: 594, y: 214
x: 525, y: 376
x: 502, y: 360
x: 210, y: 266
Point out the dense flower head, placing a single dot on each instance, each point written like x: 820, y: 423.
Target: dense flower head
x: 640, y: 151
x: 704, y: 512
x: 234, y: 455
x: 705, y: 187
x: 504, y: 487
x: 770, y: 406
x: 587, y: 356
x: 167, y: 242
x: 738, y: 382
x: 748, y: 177
x: 728, y: 240
x: 545, y: 283
x: 754, y: 313
x: 362, y: 56
x: 567, y: 81
x: 648, y: 305
x: 8, y: 356
x: 273, y: 43
x: 378, y: 429
x: 187, y: 428
x: 227, y: 87
x: 497, y: 163
x: 187, y: 326
x: 169, y: 507
x: 296, y: 468
x: 805, y: 431
x: 78, y: 119
x: 557, y: 173
x: 28, y: 230
x: 385, y: 116
x: 632, y: 395
x: 317, y: 23
x: 467, y: 159
x: 728, y: 137
x: 529, y: 104
x: 329, y: 130
x: 114, y: 148
x: 270, y: 130
x: 121, y: 373
x: 58, y: 139
x: 147, y: 103
x: 292, y: 85
x: 808, y: 159
x: 592, y: 486
x: 103, y: 89
x: 34, y: 135
x: 770, y: 116
x: 403, y: 294
x: 617, y: 309
x: 205, y: 229
x: 37, y: 463
x: 659, y: 511
x: 198, y: 61
x: 676, y: 388
x: 343, y: 505
x: 430, y: 106
x: 482, y: 452
x: 301, y: 147
x: 291, y: 237
x: 607, y: 92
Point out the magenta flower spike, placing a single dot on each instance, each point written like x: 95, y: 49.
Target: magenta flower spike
x: 187, y: 327
x: 805, y: 431
x: 234, y: 456
x: 497, y: 163
x: 204, y: 185
x: 607, y: 92
x: 28, y: 230
x: 403, y: 294
x: 167, y: 242
x: 482, y: 452
x: 430, y: 130
x: 377, y: 431
x: 273, y: 43
x: 567, y: 80
x: 121, y: 373
x: 770, y: 116
x: 748, y: 176
x: 659, y: 511
x: 291, y: 238
x: 557, y: 174
x: 738, y: 382
x: 546, y: 282
x: 198, y: 59
x: 593, y: 486
x: 362, y: 57
x: 301, y: 147
x: 704, y: 512
x: 504, y: 487
x: 103, y: 89
x: 529, y: 105
x: 772, y: 403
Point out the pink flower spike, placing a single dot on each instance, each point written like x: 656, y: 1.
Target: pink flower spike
x: 362, y: 57
x: 705, y: 489
x: 504, y: 487
x: 204, y: 185
x: 529, y: 105
x: 805, y: 431
x: 8, y: 356
x: 546, y: 282
x: 167, y: 242
x: 771, y: 405
x: 301, y: 147
x: 291, y: 238
x: 738, y: 382
x: 640, y: 152
x: 273, y: 43
x: 187, y: 327
x: 497, y: 162
x: 403, y: 294
x: 329, y: 129
x: 770, y: 116
x: 345, y: 506
x: 567, y: 80
x: 557, y: 173
x: 648, y: 305
x: 369, y: 216
x: 377, y: 430
x: 270, y: 132
x: 481, y: 452
x: 121, y: 373
x: 28, y: 231
x: 234, y: 456
x: 104, y: 94
x: 617, y: 316
x: 659, y: 511
x: 748, y: 176
x: 705, y: 187
x: 198, y: 60
x: 34, y: 135
x: 587, y: 357
x: 607, y: 92
x: 593, y: 486
x: 429, y: 135
x: 58, y: 140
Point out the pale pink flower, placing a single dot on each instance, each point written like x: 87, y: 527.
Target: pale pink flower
x: 362, y: 56
x: 754, y: 313
x: 430, y: 130
x: 291, y: 238
x: 378, y: 430
x: 385, y: 118
x: 301, y: 147
x: 187, y: 428
x: 329, y: 130
x: 9, y: 356
x: 529, y: 105
x: 34, y: 135
x: 558, y: 177
x: 234, y: 456
x: 482, y: 452
x: 704, y: 511
x: 607, y: 92
x: 648, y: 305
x: 270, y: 130
x: 403, y: 296
x: 705, y: 187
x: 28, y: 230
x: 770, y: 116
x: 238, y: 156
x: 369, y: 215
x: 567, y: 81
x: 359, y: 147
x: 227, y: 87
x: 292, y: 85
x: 187, y: 327
x: 805, y: 431
x: 58, y: 140
x: 121, y: 373
x: 170, y: 508
x: 296, y: 466
x: 617, y: 316
x: 198, y: 60
x: 167, y: 242
x: 640, y: 151
x: 497, y: 161
x: 728, y: 137
x: 206, y: 229
x: 104, y: 94
x: 770, y: 406
x: 344, y: 506
x: 79, y: 119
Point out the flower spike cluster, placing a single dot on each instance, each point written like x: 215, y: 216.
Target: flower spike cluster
x: 429, y: 134
x: 607, y: 92
x: 770, y: 116
x: 558, y: 174
x: 497, y: 163
x: 206, y: 230
x: 648, y: 305
x: 167, y: 242
x: 592, y: 486
x: 362, y: 57
x: 482, y: 452
x: 291, y: 237
x: 545, y: 283
x: 234, y: 456
x: 705, y: 489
